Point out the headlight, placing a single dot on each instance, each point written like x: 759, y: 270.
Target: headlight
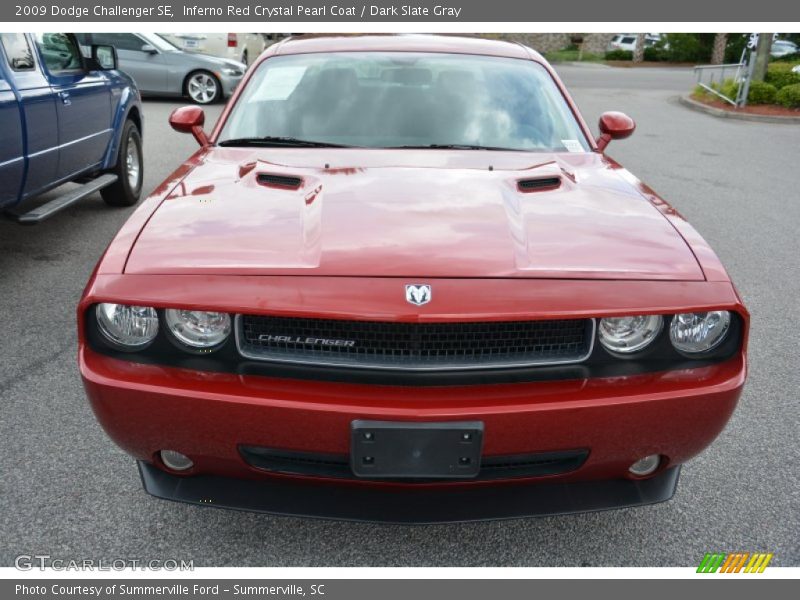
x: 198, y: 329
x: 232, y: 71
x: 629, y: 334
x: 699, y: 332
x: 127, y: 327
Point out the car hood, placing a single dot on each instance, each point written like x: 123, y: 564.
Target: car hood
x: 413, y: 214
x: 204, y: 60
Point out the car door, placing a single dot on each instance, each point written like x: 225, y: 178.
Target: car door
x: 83, y: 104
x: 12, y: 160
x: 146, y: 67
x: 35, y: 106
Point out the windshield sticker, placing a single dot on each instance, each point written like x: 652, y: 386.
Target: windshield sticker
x: 278, y: 83
x: 572, y: 145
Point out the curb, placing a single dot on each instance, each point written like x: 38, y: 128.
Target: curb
x: 586, y: 63
x: 726, y: 114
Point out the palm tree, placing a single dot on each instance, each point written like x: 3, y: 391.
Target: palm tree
x: 638, y: 52
x: 718, y: 53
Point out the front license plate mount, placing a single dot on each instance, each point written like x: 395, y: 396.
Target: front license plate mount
x: 412, y: 450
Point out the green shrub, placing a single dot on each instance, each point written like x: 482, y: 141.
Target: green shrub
x: 780, y: 75
x: 789, y: 96
x: 688, y: 47
x: 761, y: 93
x: 619, y: 55
x: 728, y: 88
x: 655, y: 54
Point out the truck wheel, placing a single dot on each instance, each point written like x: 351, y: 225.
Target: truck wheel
x: 203, y: 87
x: 125, y: 191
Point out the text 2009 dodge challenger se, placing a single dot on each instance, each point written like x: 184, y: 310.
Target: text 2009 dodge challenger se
x: 401, y: 281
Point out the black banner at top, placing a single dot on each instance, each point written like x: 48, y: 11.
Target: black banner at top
x: 713, y: 12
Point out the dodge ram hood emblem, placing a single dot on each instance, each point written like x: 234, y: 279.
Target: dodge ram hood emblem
x: 418, y: 293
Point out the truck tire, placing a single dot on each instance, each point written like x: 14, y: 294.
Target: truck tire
x: 125, y: 191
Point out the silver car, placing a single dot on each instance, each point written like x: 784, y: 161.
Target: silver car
x: 783, y: 48
x: 161, y: 68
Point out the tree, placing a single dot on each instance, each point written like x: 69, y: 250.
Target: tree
x: 638, y: 50
x: 718, y: 51
x: 762, y: 56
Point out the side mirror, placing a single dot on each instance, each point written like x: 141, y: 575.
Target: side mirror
x: 149, y: 49
x: 614, y: 126
x: 104, y: 56
x: 190, y: 119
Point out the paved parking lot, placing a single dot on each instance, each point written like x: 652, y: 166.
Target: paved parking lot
x: 67, y: 491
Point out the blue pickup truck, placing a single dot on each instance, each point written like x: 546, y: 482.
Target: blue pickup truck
x: 65, y: 117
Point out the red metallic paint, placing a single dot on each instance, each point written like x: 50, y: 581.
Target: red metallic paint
x: 146, y: 408
x: 190, y: 119
x: 343, y: 246
x: 437, y: 213
x: 614, y: 126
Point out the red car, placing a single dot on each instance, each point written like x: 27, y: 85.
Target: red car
x: 401, y: 281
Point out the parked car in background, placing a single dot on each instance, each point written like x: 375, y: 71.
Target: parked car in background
x: 161, y: 68
x: 242, y: 47
x: 783, y: 48
x: 65, y: 117
x: 627, y: 41
x: 401, y: 280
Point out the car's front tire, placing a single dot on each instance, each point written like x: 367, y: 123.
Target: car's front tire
x: 202, y: 87
x: 125, y: 191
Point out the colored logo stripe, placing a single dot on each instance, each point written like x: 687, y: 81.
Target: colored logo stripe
x: 758, y: 563
x: 711, y: 562
x: 734, y: 562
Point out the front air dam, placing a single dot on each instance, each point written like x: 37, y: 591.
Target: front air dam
x: 392, y: 504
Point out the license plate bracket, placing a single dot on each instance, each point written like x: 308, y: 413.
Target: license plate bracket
x: 413, y: 450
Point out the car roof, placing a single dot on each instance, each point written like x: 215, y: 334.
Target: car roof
x: 405, y: 43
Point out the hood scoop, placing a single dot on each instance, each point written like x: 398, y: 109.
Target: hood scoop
x: 538, y: 184
x: 283, y: 182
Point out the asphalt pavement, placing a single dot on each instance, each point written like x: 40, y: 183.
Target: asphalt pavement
x: 68, y: 491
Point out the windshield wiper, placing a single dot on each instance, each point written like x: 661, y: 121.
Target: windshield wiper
x: 449, y: 147
x: 271, y: 140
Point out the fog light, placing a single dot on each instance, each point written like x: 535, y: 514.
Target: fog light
x: 175, y: 460
x: 645, y: 466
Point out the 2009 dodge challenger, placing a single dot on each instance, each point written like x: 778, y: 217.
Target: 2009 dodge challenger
x: 401, y: 281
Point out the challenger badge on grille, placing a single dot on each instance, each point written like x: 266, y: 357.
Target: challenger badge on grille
x: 304, y: 341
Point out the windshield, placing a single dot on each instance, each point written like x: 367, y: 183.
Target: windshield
x: 404, y: 99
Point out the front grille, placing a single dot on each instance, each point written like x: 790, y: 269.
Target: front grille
x: 414, y: 346
x: 313, y: 464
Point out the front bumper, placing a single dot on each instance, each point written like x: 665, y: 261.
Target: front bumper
x: 210, y: 416
x: 419, y: 506
x: 229, y: 83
